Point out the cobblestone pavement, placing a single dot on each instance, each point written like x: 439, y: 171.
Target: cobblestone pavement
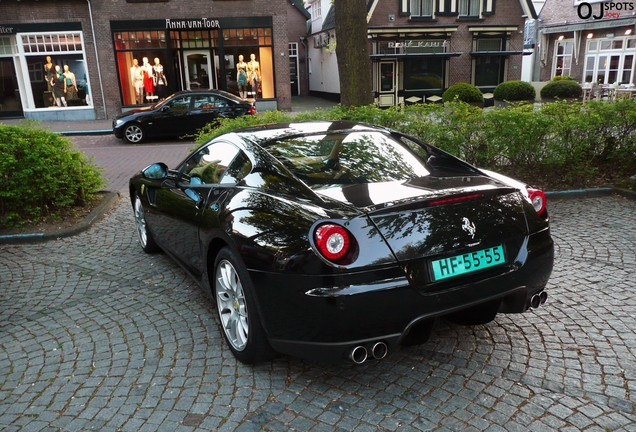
x: 95, y: 334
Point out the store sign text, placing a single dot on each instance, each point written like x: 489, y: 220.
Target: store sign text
x: 203, y: 23
x: 417, y: 44
x: 6, y: 30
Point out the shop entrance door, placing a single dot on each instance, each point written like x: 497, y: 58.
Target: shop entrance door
x: 10, y: 103
x: 387, y: 79
x: 198, y: 70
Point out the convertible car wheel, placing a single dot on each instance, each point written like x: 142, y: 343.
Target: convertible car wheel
x: 133, y: 133
x: 238, y: 314
x: 145, y: 237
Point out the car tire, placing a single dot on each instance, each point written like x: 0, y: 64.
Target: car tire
x: 238, y: 314
x: 146, y: 240
x: 480, y: 314
x: 134, y: 133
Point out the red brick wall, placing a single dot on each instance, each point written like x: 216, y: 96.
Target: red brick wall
x: 507, y: 12
x: 104, y: 11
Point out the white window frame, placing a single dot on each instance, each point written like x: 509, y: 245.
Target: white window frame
x: 598, y: 53
x: 55, y: 44
x: 465, y: 8
x: 567, y: 57
x: 421, y: 13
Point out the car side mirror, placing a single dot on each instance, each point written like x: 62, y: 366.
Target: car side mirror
x: 156, y: 171
x: 165, y: 108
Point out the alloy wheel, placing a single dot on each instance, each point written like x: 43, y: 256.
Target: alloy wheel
x: 133, y: 133
x: 230, y: 299
x: 140, y: 223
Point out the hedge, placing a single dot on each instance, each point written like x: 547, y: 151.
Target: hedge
x: 41, y: 174
x: 558, y: 145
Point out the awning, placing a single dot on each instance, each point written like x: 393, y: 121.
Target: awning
x: 589, y: 25
x: 421, y: 55
x: 496, y: 53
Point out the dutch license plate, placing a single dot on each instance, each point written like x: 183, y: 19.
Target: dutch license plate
x: 467, y: 263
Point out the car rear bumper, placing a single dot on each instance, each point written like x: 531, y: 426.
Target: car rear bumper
x: 325, y: 322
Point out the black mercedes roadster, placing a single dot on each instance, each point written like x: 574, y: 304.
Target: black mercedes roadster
x: 340, y: 240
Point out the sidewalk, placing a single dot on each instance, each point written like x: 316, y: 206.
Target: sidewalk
x: 105, y: 127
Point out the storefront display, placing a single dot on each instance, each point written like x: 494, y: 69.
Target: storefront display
x: 48, y: 71
x: 157, y: 58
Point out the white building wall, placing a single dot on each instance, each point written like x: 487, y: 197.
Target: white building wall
x: 323, y: 63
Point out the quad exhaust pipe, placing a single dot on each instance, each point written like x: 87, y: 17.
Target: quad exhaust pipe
x: 359, y: 354
x: 538, y: 299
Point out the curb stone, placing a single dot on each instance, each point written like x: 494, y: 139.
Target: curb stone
x: 111, y: 198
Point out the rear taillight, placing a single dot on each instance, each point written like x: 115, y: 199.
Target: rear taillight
x: 538, y: 200
x: 252, y: 110
x: 332, y: 241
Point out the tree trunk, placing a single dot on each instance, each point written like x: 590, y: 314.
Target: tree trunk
x: 352, y: 49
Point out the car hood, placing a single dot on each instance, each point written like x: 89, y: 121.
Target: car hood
x: 135, y: 111
x: 427, y: 217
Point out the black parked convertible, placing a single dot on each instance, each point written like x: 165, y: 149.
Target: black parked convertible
x: 331, y: 240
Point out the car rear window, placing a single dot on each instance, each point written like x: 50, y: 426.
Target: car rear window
x: 348, y: 157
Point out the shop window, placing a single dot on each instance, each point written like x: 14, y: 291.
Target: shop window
x: 489, y: 68
x: 247, y: 36
x: 36, y: 72
x: 140, y: 39
x: 5, y: 46
x: 41, y: 43
x: 424, y: 73
x: 249, y: 62
x: 56, y: 68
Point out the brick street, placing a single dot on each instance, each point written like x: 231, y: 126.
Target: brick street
x: 97, y: 335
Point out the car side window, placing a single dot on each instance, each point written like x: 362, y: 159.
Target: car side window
x: 221, y: 103
x: 180, y: 104
x: 208, y: 165
x: 203, y: 102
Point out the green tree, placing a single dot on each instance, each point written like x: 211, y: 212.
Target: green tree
x: 354, y: 65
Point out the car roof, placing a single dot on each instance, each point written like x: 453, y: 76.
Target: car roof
x: 263, y: 134
x: 210, y: 91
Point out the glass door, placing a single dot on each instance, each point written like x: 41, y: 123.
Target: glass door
x: 10, y: 102
x: 386, y: 85
x: 198, y: 70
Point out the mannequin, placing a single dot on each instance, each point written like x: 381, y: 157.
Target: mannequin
x: 241, y: 77
x: 57, y: 82
x: 149, y: 83
x: 161, y: 83
x: 137, y: 81
x: 70, y: 84
x: 49, y: 72
x: 254, y: 74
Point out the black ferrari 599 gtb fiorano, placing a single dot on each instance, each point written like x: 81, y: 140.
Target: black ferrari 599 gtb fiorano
x: 331, y: 240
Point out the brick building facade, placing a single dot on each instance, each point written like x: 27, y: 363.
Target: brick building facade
x: 119, y: 54
x: 421, y: 47
x: 579, y: 40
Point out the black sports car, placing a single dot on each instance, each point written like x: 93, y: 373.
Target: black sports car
x: 179, y: 114
x: 331, y: 240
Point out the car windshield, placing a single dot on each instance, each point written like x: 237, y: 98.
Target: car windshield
x: 349, y: 157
